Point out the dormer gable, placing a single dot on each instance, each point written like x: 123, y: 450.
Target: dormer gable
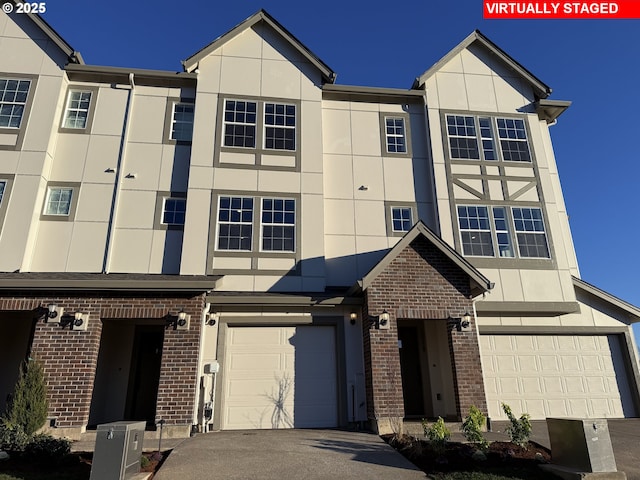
x: 262, y: 18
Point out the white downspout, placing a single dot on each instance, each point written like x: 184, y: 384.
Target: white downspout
x: 115, y: 202
x: 199, y: 409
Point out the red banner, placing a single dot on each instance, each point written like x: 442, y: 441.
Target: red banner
x: 561, y: 9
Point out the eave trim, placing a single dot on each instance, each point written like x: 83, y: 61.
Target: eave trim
x: 543, y: 309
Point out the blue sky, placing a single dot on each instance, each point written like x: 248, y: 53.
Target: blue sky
x: 593, y: 63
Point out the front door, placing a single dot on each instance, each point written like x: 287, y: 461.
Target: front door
x: 144, y: 376
x: 411, y: 371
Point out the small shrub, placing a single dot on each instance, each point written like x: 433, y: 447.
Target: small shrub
x: 29, y: 405
x: 519, y: 429
x: 438, y: 434
x: 472, y: 427
x: 43, y: 447
x: 144, y: 462
x: 12, y: 437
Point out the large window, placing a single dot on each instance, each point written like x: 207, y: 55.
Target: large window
x: 240, y: 123
x: 487, y: 231
x: 182, y: 122
x: 263, y: 125
x: 77, y: 111
x: 13, y: 100
x: 278, y: 224
x: 474, y: 138
x: 235, y: 223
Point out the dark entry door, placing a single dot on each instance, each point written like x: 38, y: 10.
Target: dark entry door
x: 144, y: 376
x: 411, y: 372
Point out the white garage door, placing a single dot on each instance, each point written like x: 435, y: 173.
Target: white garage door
x: 280, y: 377
x: 556, y: 376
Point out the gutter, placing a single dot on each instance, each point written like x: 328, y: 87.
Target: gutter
x: 115, y: 202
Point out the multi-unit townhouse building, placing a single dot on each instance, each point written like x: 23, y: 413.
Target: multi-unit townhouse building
x: 247, y: 244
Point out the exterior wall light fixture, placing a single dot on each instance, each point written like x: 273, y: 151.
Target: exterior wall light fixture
x: 463, y: 323
x: 353, y: 316
x: 180, y: 321
x: 212, y: 318
x: 383, y: 320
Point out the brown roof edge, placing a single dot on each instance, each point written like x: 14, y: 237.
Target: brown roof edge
x: 73, y: 55
x: 97, y: 73
x: 632, y: 311
x: 63, y: 281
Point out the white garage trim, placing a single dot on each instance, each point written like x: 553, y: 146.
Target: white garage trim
x: 550, y: 375
x: 280, y: 375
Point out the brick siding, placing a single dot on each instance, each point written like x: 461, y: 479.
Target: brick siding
x: 70, y: 357
x: 420, y: 283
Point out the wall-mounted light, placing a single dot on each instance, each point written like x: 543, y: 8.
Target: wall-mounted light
x: 49, y: 314
x: 77, y: 321
x: 212, y: 318
x: 383, y: 320
x: 463, y: 323
x: 180, y: 321
x: 353, y: 316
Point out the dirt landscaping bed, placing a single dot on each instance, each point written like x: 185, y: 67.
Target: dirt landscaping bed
x: 502, y: 460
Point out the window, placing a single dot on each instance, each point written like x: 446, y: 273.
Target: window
x: 532, y: 239
x: 3, y: 186
x: 401, y: 219
x: 278, y: 224
x: 395, y: 134
x: 475, y: 230
x: 279, y: 126
x: 482, y: 228
x: 77, y: 111
x: 173, y: 211
x: 58, y: 202
x: 182, y: 122
x: 13, y: 99
x: 240, y: 123
x: 235, y: 223
x: 462, y: 132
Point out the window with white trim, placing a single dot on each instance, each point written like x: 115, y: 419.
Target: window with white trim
x: 474, y: 138
x: 58, y: 201
x: 487, y: 231
x: 530, y: 233
x: 182, y: 122
x: 279, y: 126
x: 401, y: 219
x: 235, y: 223
x: 13, y: 100
x: 240, y: 120
x: 174, y: 211
x: 278, y: 225
x: 77, y: 110
x: 395, y: 135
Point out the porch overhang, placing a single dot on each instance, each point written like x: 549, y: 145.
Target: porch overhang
x: 107, y: 282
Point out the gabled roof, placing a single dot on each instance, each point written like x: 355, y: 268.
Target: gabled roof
x: 632, y: 312
x: 191, y: 63
x: 482, y: 283
x: 74, y: 56
x: 540, y: 88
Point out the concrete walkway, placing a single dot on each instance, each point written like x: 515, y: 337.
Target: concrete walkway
x: 286, y: 454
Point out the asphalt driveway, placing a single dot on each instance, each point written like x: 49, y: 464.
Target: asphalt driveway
x: 286, y: 454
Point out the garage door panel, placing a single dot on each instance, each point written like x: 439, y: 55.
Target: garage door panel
x: 562, y: 376
x: 280, y: 377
